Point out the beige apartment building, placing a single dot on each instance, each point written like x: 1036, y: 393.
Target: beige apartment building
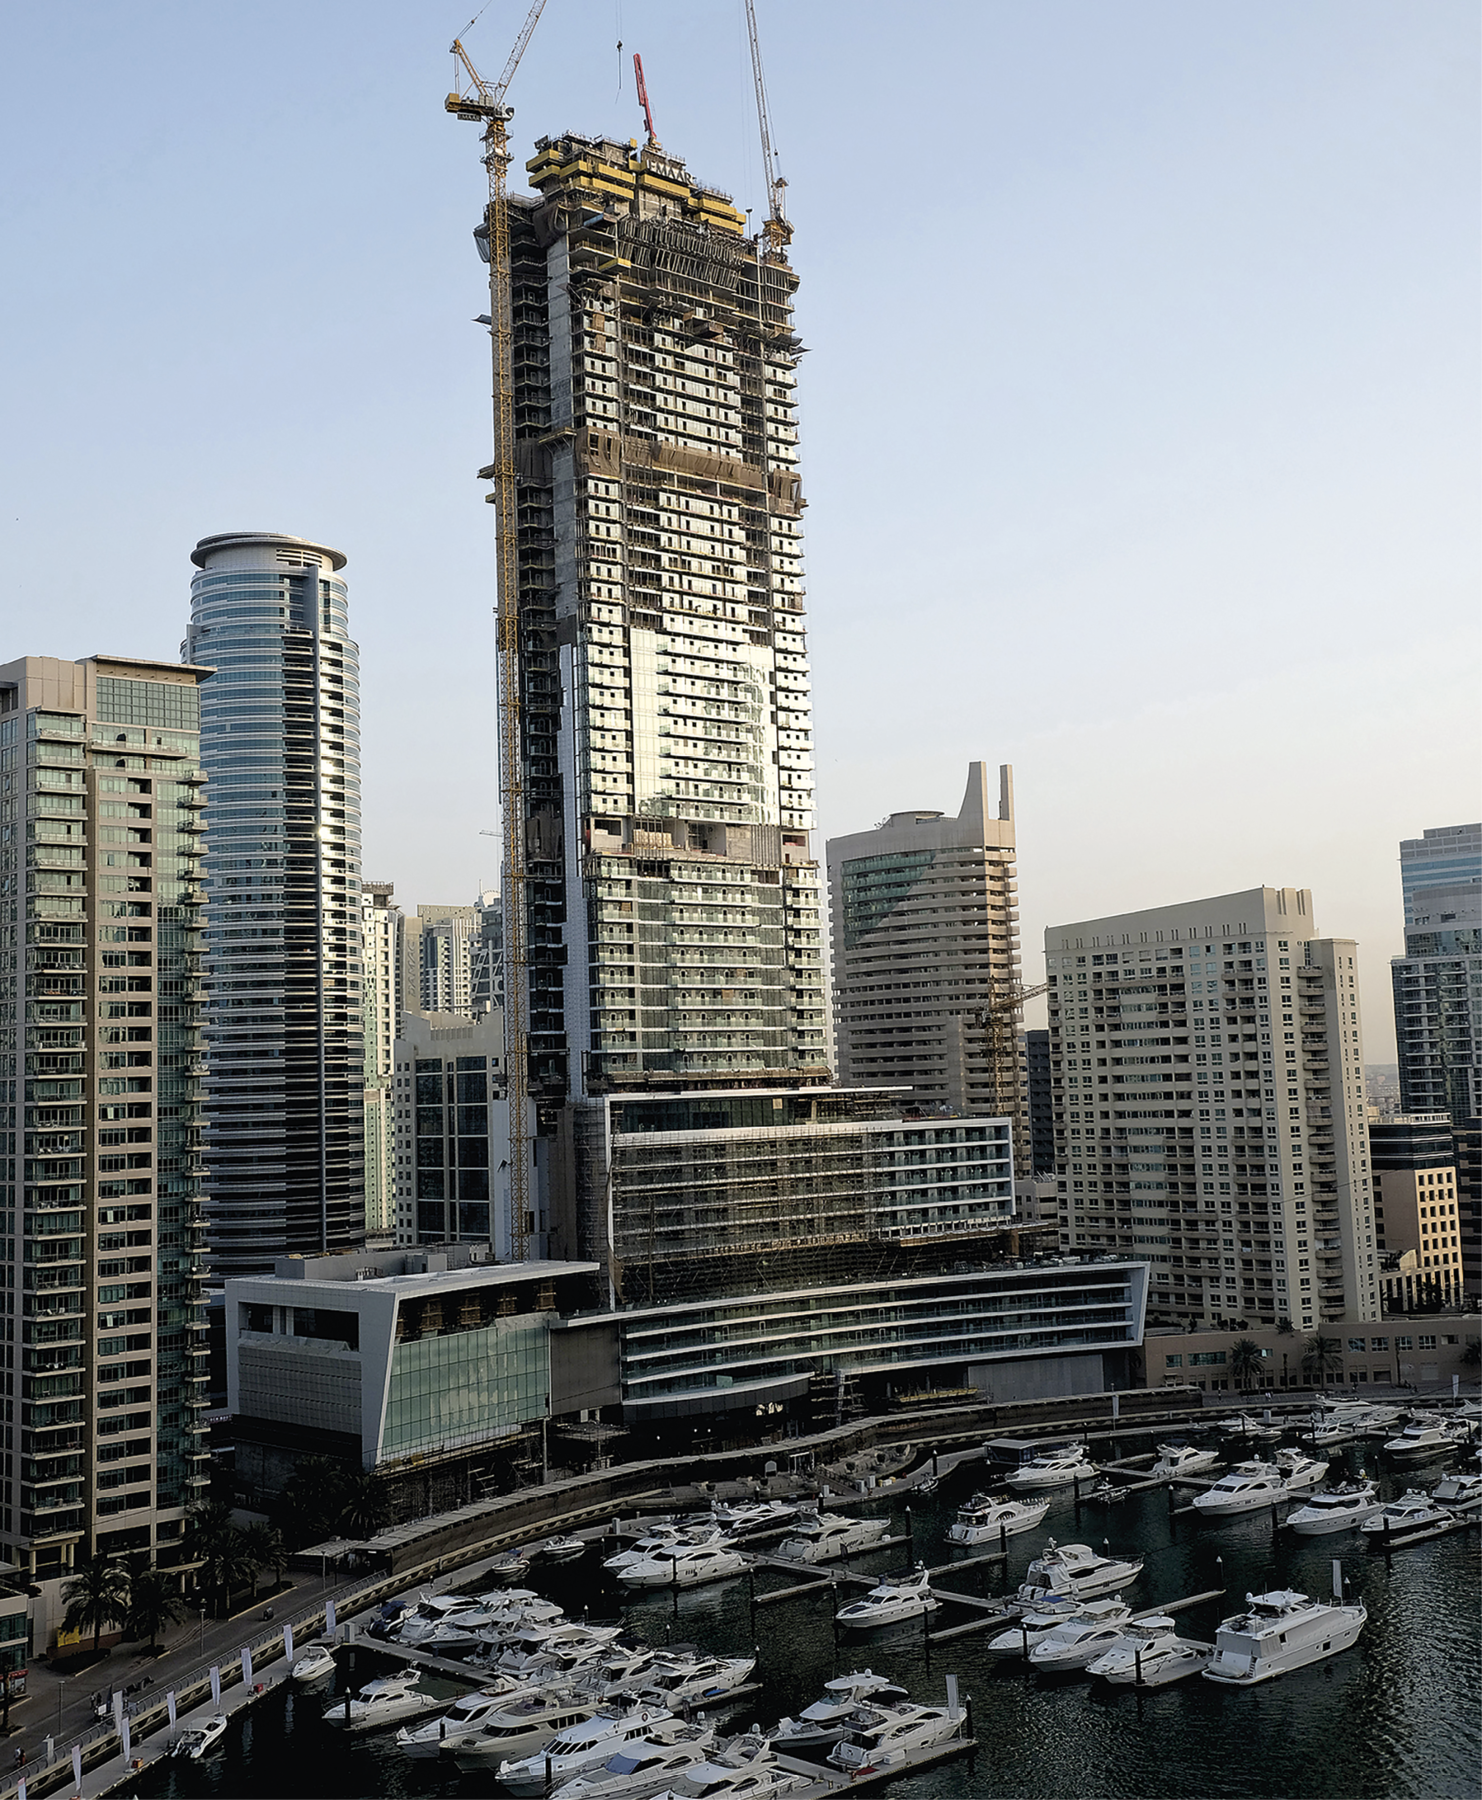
x: 1207, y: 1090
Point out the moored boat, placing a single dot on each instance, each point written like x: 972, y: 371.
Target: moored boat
x: 1077, y: 1570
x: 1411, y: 1515
x: 1098, y: 1627
x: 825, y: 1721
x: 1278, y: 1632
x: 890, y: 1603
x: 822, y: 1537
x: 1247, y: 1488
x: 987, y: 1517
x: 196, y: 1740
x: 1152, y: 1654
x: 1335, y: 1509
x: 1057, y: 1468
x: 1182, y: 1459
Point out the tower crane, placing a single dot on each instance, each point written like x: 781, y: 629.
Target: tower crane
x: 777, y: 230
x: 472, y: 98
x: 1000, y: 1020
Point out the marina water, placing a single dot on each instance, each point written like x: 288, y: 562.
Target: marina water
x: 1395, y: 1718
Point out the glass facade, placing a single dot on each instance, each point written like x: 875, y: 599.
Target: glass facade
x: 457, y: 1389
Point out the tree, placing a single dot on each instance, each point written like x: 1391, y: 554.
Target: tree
x: 97, y: 1597
x: 155, y: 1601
x: 365, y: 1509
x: 1245, y: 1360
x: 312, y: 1501
x: 1471, y: 1357
x: 1285, y: 1327
x: 264, y: 1545
x: 1322, y: 1356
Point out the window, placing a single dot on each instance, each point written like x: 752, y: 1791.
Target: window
x: 1404, y: 1343
x: 1356, y: 1344
x: 1427, y: 1343
x: 1173, y: 1362
x: 1379, y: 1343
x: 1205, y: 1358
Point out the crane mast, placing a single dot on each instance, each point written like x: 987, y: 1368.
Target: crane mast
x: 1000, y: 1022
x: 777, y: 230
x: 472, y: 98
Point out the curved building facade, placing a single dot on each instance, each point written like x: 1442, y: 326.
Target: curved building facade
x: 280, y: 741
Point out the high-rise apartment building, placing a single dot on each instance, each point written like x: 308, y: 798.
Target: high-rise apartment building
x: 380, y: 927
x: 101, y: 814
x: 452, y: 1132
x: 1036, y: 1065
x: 446, y: 940
x: 1207, y: 1074
x: 1416, y: 1211
x: 487, y: 978
x: 280, y: 739
x: 1438, y: 981
x: 925, y: 921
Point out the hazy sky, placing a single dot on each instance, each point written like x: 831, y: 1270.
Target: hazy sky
x: 1140, y: 423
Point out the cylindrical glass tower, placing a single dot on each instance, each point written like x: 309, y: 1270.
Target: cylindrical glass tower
x: 280, y: 742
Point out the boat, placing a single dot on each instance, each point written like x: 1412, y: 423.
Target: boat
x: 316, y: 1662
x: 1099, y: 1626
x: 686, y: 1566
x: 381, y: 1702
x: 1247, y: 1488
x: 890, y: 1603
x: 1346, y: 1421
x: 1107, y: 1491
x: 1278, y: 1632
x: 987, y: 1517
x: 825, y: 1721
x: 1152, y: 1654
x: 644, y: 1768
x: 821, y: 1537
x: 745, y: 1518
x: 1299, y: 1470
x: 547, y: 1646
x: 1077, y: 1570
x: 519, y: 1728
x: 1031, y: 1627
x: 1426, y: 1437
x: 586, y: 1745
x: 663, y: 1535
x: 619, y: 1670
x: 1057, y: 1468
x: 420, y: 1621
x: 678, y: 1682
x: 1258, y: 1430
x: 1406, y: 1518
x: 880, y: 1736
x: 196, y: 1740
x: 1335, y: 1509
x: 559, y: 1550
x: 1181, y: 1459
x: 927, y: 1486
x: 509, y: 1567
x: 745, y: 1769
x: 1460, y: 1492
x: 463, y: 1719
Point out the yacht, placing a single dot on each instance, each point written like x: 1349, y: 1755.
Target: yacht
x: 316, y: 1662
x: 1032, y: 1627
x: 879, y: 1736
x: 420, y: 1621
x: 548, y: 1645
x: 1181, y: 1459
x: 1152, y: 1654
x: 1461, y: 1492
x: 746, y: 1518
x: 196, y: 1740
x: 1098, y: 1627
x: 890, y: 1603
x: 1406, y: 1518
x: 509, y: 1567
x: 1258, y: 1430
x: 826, y: 1720
x: 663, y: 1536
x: 1057, y: 1468
x: 1248, y: 1487
x: 1426, y: 1437
x: 643, y: 1768
x: 463, y: 1719
x: 821, y: 1537
x: 1346, y: 1421
x: 559, y: 1550
x: 1299, y: 1470
x: 519, y: 1728
x: 1077, y: 1570
x: 1281, y: 1630
x: 745, y: 1769
x: 676, y: 1682
x: 1335, y: 1509
x: 381, y: 1702
x: 580, y: 1747
x: 686, y: 1566
x: 987, y: 1517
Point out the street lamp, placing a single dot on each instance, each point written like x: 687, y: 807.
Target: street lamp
x: 201, y: 1646
x: 61, y: 1690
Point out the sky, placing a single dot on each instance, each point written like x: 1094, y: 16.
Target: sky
x: 1139, y: 416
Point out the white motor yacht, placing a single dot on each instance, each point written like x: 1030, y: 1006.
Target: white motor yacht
x: 585, y: 1745
x: 1181, y: 1459
x: 1423, y: 1438
x: 746, y: 1769
x: 1247, y: 1488
x: 987, y: 1517
x: 519, y: 1728
x: 1152, y: 1654
x: 1077, y: 1570
x: 821, y: 1537
x: 826, y: 1720
x: 194, y: 1742
x: 464, y: 1718
x: 662, y: 1536
x: 418, y: 1624
x: 1406, y: 1518
x: 553, y: 1644
x: 316, y: 1662
x: 381, y: 1702
x: 1346, y: 1421
x: 643, y: 1768
x: 1461, y: 1492
x: 745, y: 1518
x: 1257, y: 1430
x: 1057, y: 1468
x: 675, y: 1683
x: 1099, y: 1626
x: 686, y: 1566
x: 1033, y: 1626
x: 1335, y: 1509
x: 890, y: 1603
x: 879, y: 1736
x: 1299, y: 1470
x: 1280, y: 1631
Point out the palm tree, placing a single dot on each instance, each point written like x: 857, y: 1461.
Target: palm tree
x: 1245, y: 1360
x: 1322, y: 1356
x: 97, y: 1597
x: 365, y: 1508
x: 264, y: 1544
x: 209, y: 1529
x: 312, y: 1500
x: 155, y: 1601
